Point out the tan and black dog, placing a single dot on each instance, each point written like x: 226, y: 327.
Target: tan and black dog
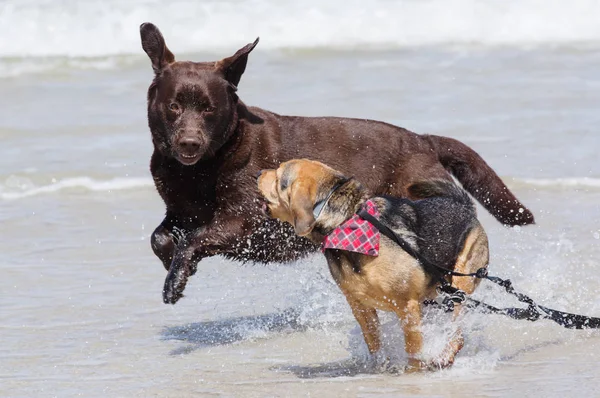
x: 442, y: 228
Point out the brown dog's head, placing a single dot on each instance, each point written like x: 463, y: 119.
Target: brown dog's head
x: 293, y: 190
x: 191, y: 105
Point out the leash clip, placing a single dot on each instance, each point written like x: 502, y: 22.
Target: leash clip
x: 481, y: 273
x: 452, y: 298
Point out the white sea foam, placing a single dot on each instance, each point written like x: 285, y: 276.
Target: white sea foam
x: 12, y: 67
x: 572, y: 182
x: 18, y: 187
x: 72, y: 28
x: 21, y: 187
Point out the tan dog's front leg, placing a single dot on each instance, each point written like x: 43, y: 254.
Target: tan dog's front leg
x: 457, y: 341
x: 410, y: 316
x: 474, y: 256
x: 454, y: 345
x: 369, y: 323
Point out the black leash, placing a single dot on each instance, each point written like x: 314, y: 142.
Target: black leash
x: 533, y: 312
x: 437, y: 270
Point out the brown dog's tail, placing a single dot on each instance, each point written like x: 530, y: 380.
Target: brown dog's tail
x: 480, y: 180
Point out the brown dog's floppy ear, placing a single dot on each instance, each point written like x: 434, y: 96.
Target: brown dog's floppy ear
x: 302, y: 205
x: 233, y: 67
x: 154, y: 45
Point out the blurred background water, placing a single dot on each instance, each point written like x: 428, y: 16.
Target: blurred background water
x: 81, y: 294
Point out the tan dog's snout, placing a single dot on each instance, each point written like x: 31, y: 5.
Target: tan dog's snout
x: 266, y: 184
x: 274, y: 206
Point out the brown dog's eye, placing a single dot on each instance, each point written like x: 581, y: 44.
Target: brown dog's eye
x: 210, y: 109
x: 174, y: 107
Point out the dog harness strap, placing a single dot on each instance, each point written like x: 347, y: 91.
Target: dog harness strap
x: 384, y: 229
x: 356, y: 234
x: 434, y: 268
x: 318, y: 209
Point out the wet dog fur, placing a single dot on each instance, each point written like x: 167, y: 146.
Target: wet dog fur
x: 209, y: 145
x: 443, y: 228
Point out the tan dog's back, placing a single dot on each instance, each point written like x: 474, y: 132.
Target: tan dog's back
x: 384, y: 282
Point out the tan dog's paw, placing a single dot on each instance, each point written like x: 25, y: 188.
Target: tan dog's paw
x: 446, y: 358
x: 416, y: 365
x: 440, y: 363
x: 379, y: 362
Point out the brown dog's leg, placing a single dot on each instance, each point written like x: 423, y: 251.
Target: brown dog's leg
x: 219, y: 237
x: 163, y: 245
x: 410, y: 316
x: 165, y: 238
x: 369, y: 323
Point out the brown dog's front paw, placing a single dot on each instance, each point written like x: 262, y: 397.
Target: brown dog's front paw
x: 184, y: 265
x: 174, y: 286
x: 193, y: 269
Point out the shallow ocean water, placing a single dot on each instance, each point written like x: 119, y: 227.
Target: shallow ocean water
x: 81, y: 294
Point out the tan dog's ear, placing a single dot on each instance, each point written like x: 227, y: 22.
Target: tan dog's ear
x: 301, y: 204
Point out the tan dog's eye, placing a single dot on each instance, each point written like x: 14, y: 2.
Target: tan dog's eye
x: 284, y: 181
x: 283, y: 185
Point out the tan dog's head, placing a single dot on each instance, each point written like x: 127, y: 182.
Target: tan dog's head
x: 293, y: 190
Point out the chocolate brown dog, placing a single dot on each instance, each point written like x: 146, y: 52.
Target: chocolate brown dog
x: 321, y: 204
x: 208, y: 147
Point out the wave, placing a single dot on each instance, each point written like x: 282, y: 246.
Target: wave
x: 10, y: 67
x: 572, y: 182
x: 99, y: 28
x: 18, y: 187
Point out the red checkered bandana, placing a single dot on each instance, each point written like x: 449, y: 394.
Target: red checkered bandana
x: 356, y: 235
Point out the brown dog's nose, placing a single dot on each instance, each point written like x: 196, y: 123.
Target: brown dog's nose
x: 189, y: 144
x: 258, y: 174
